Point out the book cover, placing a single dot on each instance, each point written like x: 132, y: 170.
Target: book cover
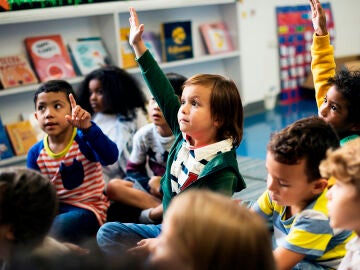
x: 22, y: 136
x: 177, y: 40
x: 153, y: 43
x: 88, y: 54
x: 15, y: 70
x: 49, y: 57
x: 5, y: 147
x: 127, y: 53
x: 216, y: 37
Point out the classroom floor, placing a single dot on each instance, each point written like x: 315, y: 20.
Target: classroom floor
x: 252, y: 150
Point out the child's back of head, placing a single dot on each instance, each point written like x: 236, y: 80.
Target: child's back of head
x: 308, y: 138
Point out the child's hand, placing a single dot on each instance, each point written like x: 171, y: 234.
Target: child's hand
x: 79, y: 117
x: 144, y: 247
x: 154, y: 184
x: 135, y: 36
x: 318, y: 18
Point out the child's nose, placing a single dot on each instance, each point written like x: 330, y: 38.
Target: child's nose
x: 323, y: 110
x: 271, y: 185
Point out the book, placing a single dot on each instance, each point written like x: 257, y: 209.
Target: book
x: 5, y: 146
x: 216, y: 37
x: 22, y: 136
x: 88, y: 54
x: 176, y: 40
x: 127, y: 53
x: 49, y: 57
x: 153, y: 43
x: 15, y: 70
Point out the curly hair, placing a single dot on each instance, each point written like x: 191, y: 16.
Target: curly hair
x: 343, y: 163
x: 122, y: 92
x: 28, y: 203
x: 308, y: 138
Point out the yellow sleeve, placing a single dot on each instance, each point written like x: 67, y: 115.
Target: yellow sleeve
x: 322, y: 65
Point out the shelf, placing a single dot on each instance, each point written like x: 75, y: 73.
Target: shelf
x: 12, y: 161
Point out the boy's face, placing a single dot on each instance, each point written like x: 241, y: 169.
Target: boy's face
x: 50, y: 111
x: 194, y: 115
x: 344, y: 206
x: 288, y: 184
x: 156, y: 114
x: 334, y: 110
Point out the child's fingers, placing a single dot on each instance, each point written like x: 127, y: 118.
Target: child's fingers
x: 72, y: 101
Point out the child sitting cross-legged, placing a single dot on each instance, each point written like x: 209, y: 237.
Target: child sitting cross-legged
x: 295, y: 198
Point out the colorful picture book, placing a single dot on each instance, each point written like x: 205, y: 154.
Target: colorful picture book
x: 216, y: 38
x: 88, y: 54
x: 127, y: 53
x: 153, y: 43
x: 49, y: 57
x: 5, y: 146
x: 15, y: 70
x: 176, y: 39
x: 22, y: 136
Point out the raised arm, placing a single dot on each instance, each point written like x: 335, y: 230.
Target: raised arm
x: 318, y: 18
x: 136, y: 31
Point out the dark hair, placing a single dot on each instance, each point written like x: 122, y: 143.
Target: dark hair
x: 225, y: 105
x: 308, y: 138
x: 121, y: 92
x: 348, y: 84
x: 55, y: 86
x: 177, y: 82
x: 28, y: 203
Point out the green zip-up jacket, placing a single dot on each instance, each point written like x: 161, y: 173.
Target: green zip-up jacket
x: 221, y: 174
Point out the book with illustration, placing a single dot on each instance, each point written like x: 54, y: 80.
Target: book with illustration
x: 15, y: 70
x: 176, y: 39
x: 153, y: 43
x: 216, y: 37
x: 22, y: 136
x: 127, y: 53
x: 88, y: 54
x: 49, y: 57
x: 5, y: 146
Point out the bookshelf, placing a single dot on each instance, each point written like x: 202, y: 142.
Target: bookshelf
x: 104, y: 20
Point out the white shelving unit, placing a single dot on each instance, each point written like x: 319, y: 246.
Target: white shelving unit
x: 105, y: 20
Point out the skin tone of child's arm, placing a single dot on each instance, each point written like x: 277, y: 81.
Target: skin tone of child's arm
x: 318, y: 18
x: 286, y: 259
x: 79, y: 117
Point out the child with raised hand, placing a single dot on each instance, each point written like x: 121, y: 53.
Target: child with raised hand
x: 140, y: 189
x: 71, y: 156
x: 207, y: 230
x: 117, y: 105
x: 203, y: 154
x: 337, y: 94
x: 344, y: 196
x: 295, y: 198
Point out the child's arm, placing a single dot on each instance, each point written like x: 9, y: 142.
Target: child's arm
x: 136, y: 32
x: 286, y: 259
x: 322, y: 62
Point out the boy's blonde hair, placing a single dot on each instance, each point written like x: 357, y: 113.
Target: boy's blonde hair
x: 343, y: 163
x: 214, y: 232
x: 225, y: 105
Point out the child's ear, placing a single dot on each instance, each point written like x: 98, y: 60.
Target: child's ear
x: 319, y: 186
x: 35, y: 114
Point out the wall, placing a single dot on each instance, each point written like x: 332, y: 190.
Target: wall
x: 260, y: 68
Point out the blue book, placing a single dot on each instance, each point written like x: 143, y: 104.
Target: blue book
x: 5, y: 146
x: 177, y: 40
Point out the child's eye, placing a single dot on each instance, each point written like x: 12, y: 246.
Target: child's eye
x: 325, y: 99
x: 194, y: 103
x: 283, y: 184
x: 58, y: 106
x: 182, y: 102
x: 40, y: 108
x: 333, y: 107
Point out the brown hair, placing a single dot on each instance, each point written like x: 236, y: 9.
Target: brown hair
x: 217, y: 233
x: 343, y: 163
x: 308, y: 138
x: 225, y: 105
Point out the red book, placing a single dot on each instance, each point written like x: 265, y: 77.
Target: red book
x: 15, y: 70
x: 49, y: 57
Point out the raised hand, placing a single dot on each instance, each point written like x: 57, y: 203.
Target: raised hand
x: 136, y: 31
x: 79, y: 118
x: 318, y: 18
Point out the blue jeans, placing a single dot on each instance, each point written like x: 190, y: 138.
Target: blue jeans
x: 74, y: 224
x: 115, y: 237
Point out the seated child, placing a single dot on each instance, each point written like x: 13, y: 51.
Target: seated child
x: 344, y: 196
x: 151, y: 146
x: 117, y: 105
x: 296, y: 197
x: 71, y: 156
x: 337, y: 94
x: 207, y: 230
x: 203, y: 155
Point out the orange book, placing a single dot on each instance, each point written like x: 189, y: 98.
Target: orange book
x: 15, y: 70
x: 127, y: 53
x: 49, y: 57
x: 22, y: 136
